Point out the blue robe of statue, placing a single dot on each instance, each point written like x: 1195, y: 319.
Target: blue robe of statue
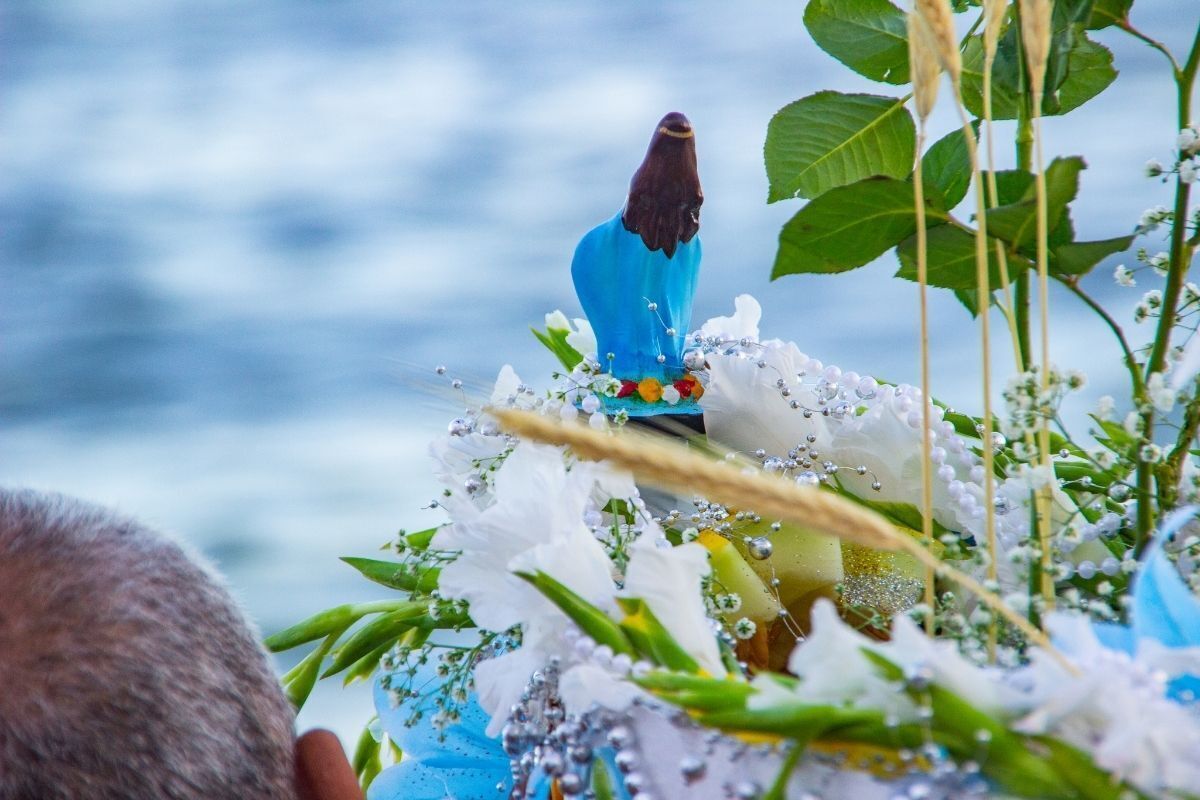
x: 616, y: 279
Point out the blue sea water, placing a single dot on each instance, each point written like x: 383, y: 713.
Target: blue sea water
x: 236, y: 238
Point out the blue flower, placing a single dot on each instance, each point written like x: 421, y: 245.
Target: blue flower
x: 1164, y: 609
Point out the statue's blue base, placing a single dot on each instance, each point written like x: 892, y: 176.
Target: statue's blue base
x: 640, y: 408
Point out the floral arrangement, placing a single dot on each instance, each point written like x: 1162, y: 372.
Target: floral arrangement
x: 842, y: 588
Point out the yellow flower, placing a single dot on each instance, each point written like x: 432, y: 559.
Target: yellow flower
x: 650, y: 390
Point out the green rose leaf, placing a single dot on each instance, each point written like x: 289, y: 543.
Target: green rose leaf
x: 1017, y: 222
x: 1082, y: 70
x: 1078, y: 258
x: 947, y: 167
x: 831, y: 139
x: 868, y: 36
x: 951, y: 259
x: 1089, y: 72
x: 850, y: 226
x: 1108, y: 12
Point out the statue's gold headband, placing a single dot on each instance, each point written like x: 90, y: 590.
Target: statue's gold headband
x: 676, y: 134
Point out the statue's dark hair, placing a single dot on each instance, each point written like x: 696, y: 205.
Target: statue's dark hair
x: 126, y: 669
x: 665, y: 195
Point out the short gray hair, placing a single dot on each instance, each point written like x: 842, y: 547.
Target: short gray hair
x: 126, y: 669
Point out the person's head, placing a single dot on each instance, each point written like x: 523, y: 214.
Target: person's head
x: 126, y: 669
x: 665, y: 195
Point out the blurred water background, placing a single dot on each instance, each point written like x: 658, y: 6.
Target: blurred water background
x: 236, y: 238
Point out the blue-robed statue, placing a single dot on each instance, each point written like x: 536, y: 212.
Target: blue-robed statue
x: 636, y: 274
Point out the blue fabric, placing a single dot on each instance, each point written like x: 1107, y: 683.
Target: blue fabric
x: 616, y: 278
x: 1164, y: 608
x: 465, y: 765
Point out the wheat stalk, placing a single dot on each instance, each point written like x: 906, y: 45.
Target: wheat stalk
x: 1035, y: 38
x: 663, y: 463
x: 926, y: 74
x: 923, y: 68
x: 937, y: 26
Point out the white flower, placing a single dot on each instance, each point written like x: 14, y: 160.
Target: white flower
x: 668, y: 579
x: 742, y: 325
x: 743, y: 406
x: 1153, y: 217
x: 522, y: 531
x: 583, y: 338
x: 1117, y: 709
x: 1154, y: 168
x: 1159, y: 262
x: 588, y: 684
x: 1188, y: 140
x: 832, y: 669
x: 744, y: 628
x: 1132, y: 424
x: 1105, y: 406
x: 1123, y: 275
x: 1187, y: 170
x: 557, y: 321
x: 1161, y: 395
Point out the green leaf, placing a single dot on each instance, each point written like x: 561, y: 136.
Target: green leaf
x: 868, y: 36
x: 298, y: 683
x: 385, y: 628
x: 1078, y: 258
x: 1088, y: 71
x: 366, y: 762
x: 591, y: 620
x: 337, y: 618
x: 951, y: 259
x: 394, y: 575
x: 831, y: 139
x: 651, y: 639
x: 602, y: 784
x: 1017, y: 222
x: 851, y: 226
x: 555, y: 340
x: 1077, y: 769
x: 1108, y: 12
x: 946, y: 167
x: 801, y: 722
x: 421, y: 539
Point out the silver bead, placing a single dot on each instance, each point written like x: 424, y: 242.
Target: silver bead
x: 459, y: 427
x: 571, y: 784
x: 552, y: 764
x: 747, y: 790
x: 456, y: 383
x: 474, y: 484
x: 440, y: 370
x: 692, y: 769
x: 619, y: 736
x: 635, y: 783
x: 626, y: 761
x: 876, y: 485
x: 661, y: 359
x: 693, y: 359
x: 652, y: 306
x: 807, y: 478
x: 760, y: 548
x: 670, y: 331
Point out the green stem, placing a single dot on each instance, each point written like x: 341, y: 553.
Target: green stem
x: 1022, y: 301
x: 1185, y: 79
x: 1168, y: 473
